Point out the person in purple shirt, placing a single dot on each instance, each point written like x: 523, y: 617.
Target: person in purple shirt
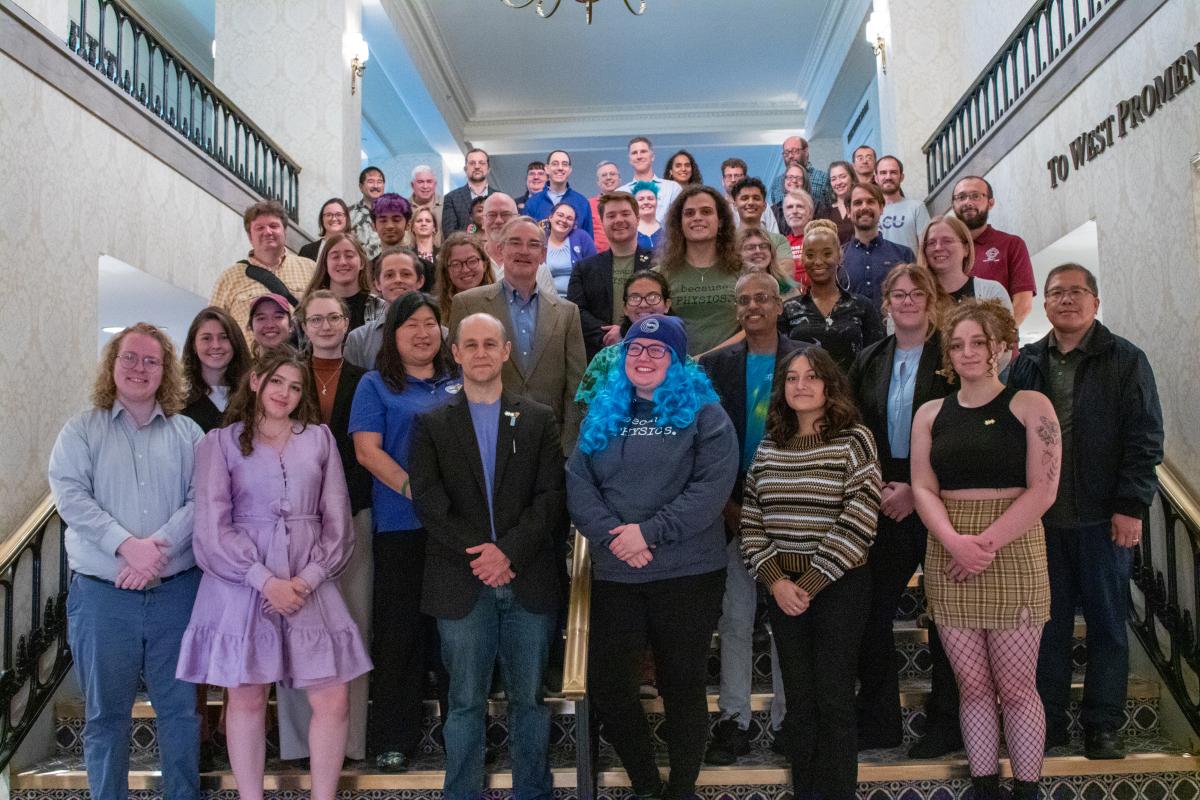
x: 868, y: 256
x: 414, y: 375
x: 273, y: 534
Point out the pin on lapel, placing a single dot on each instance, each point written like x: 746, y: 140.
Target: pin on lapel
x: 513, y: 416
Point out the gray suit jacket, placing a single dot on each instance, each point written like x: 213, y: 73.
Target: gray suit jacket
x: 558, y: 359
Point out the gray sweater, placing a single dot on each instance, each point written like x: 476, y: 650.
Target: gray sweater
x: 673, y: 482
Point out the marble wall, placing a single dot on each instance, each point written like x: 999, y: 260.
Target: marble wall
x: 75, y: 189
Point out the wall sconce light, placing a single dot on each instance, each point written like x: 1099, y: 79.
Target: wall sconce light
x: 874, y: 36
x: 359, y: 64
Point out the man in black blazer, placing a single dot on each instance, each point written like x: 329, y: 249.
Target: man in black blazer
x: 488, y: 483
x: 731, y: 368
x: 597, y: 281
x: 456, y: 206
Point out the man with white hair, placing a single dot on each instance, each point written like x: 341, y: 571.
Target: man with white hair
x: 424, y: 191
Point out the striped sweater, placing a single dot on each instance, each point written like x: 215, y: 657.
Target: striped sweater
x: 810, y: 508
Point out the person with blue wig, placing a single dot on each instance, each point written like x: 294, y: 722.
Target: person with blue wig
x: 654, y: 466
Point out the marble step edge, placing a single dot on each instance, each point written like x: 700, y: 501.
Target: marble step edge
x: 564, y: 777
x: 912, y: 694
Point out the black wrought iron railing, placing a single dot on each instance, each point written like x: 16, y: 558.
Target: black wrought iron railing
x: 118, y: 43
x: 1048, y: 31
x: 1166, y: 592
x: 33, y: 589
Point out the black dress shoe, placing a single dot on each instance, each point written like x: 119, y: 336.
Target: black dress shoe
x: 1103, y: 744
x: 985, y: 787
x: 1056, y: 739
x: 729, y: 743
x: 936, y: 743
x: 877, y: 741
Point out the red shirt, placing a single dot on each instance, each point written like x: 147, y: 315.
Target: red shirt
x: 1003, y: 257
x: 599, y: 237
x: 797, y: 243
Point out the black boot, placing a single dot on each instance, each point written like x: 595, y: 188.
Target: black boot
x: 985, y: 787
x: 1025, y: 790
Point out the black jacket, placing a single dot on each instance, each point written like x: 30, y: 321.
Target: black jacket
x: 204, y: 414
x: 870, y: 378
x: 1116, y: 422
x: 358, y: 480
x: 456, y: 210
x: 726, y: 369
x: 591, y: 289
x: 529, y: 496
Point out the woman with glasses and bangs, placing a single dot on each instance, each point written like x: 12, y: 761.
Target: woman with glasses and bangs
x: 462, y: 264
x: 654, y: 466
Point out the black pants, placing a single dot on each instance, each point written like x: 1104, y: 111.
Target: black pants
x: 404, y: 645
x: 818, y: 656
x: 676, y: 617
x: 898, y: 549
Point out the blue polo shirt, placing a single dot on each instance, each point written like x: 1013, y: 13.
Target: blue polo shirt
x: 377, y: 409
x: 868, y: 265
x: 541, y: 204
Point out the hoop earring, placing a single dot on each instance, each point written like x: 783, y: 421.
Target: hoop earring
x: 841, y: 270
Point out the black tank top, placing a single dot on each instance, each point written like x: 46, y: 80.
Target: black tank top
x: 978, y: 448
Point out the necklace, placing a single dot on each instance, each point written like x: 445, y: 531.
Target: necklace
x: 332, y: 379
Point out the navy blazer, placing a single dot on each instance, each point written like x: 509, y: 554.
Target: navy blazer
x: 726, y: 369
x: 456, y: 210
x: 591, y: 289
x: 529, y: 503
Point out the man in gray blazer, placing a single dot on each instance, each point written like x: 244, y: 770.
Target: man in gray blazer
x: 548, y: 354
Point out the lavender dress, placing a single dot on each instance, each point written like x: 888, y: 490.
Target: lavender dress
x: 271, y: 514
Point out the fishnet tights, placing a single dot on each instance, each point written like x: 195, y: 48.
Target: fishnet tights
x: 1003, y: 663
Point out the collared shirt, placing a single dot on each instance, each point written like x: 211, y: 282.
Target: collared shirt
x: 523, y: 311
x: 900, y: 399
x: 668, y: 190
x: 1061, y: 388
x: 234, y: 292
x: 485, y: 418
x: 112, y: 480
x: 818, y: 181
x: 868, y: 264
x: 363, y: 229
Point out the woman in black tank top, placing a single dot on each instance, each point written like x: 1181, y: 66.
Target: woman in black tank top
x: 985, y: 464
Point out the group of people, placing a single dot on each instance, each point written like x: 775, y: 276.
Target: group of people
x: 363, y: 471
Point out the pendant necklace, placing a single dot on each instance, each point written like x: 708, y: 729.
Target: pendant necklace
x: 325, y: 384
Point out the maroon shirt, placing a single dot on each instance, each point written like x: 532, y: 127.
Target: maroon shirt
x: 1003, y: 257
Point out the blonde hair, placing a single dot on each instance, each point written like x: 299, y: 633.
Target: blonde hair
x: 960, y: 231
x: 774, y: 268
x: 821, y: 226
x: 996, y: 321
x: 170, y: 392
x: 937, y: 299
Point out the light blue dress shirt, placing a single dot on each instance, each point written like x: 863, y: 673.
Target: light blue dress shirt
x: 112, y: 480
x: 900, y: 399
x: 523, y: 313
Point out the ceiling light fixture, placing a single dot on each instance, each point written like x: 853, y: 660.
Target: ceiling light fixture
x: 874, y: 36
x: 544, y: 14
x: 358, y: 65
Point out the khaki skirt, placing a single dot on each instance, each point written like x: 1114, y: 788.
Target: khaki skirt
x: 1012, y: 592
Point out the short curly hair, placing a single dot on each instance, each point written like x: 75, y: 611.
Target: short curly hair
x: 170, y: 392
x: 996, y: 320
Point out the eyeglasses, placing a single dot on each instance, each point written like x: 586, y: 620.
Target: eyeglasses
x: 971, y: 197
x: 898, y: 296
x: 491, y: 215
x: 655, y: 351
x: 466, y: 263
x: 793, y: 179
x: 1076, y: 293
x: 762, y: 298
x: 333, y: 216
x: 652, y: 299
x: 130, y: 360
x: 760, y: 247
x: 788, y: 151
x: 318, y: 320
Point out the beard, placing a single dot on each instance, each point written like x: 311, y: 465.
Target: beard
x: 976, y: 222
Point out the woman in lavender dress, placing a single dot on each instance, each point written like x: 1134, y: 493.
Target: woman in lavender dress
x: 272, y: 534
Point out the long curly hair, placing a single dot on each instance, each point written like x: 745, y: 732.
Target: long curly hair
x: 685, y: 389
x: 696, y: 176
x: 246, y: 408
x: 170, y: 392
x: 445, y: 286
x: 841, y: 410
x: 193, y: 370
x: 674, y: 258
x: 997, y: 322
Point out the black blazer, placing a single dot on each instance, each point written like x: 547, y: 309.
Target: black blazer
x: 456, y: 210
x: 726, y: 369
x: 870, y: 376
x: 204, y: 414
x: 529, y: 496
x: 358, y: 480
x: 311, y: 250
x: 591, y: 289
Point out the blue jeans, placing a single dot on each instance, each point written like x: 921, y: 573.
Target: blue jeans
x: 1088, y: 569
x: 737, y: 645
x: 117, y: 635
x: 497, y: 626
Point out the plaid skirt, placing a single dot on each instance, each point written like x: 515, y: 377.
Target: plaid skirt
x: 1013, y: 591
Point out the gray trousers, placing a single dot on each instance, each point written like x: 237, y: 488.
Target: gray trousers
x: 736, y: 629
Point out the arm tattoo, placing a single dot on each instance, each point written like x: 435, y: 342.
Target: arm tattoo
x: 1047, y: 431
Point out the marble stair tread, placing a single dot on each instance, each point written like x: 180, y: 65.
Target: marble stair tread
x: 913, y: 691
x: 1148, y: 754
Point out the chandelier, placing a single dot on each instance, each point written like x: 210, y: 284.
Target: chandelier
x: 544, y: 14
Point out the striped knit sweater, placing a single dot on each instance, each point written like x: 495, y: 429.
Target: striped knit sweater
x: 810, y: 508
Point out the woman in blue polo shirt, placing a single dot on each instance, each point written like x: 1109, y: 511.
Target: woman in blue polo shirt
x: 415, y: 374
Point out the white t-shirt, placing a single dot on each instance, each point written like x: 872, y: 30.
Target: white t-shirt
x: 903, y: 222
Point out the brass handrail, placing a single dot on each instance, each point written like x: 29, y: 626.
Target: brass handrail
x: 12, y: 547
x: 1179, y: 494
x: 579, y: 612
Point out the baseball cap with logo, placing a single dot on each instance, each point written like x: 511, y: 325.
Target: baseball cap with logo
x: 661, y: 328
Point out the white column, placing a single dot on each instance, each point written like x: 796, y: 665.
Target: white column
x: 287, y: 66
x: 56, y: 15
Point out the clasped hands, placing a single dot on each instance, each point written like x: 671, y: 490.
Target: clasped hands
x: 490, y: 565
x: 285, y: 595
x: 142, y: 561
x: 629, y: 545
x: 791, y: 599
x: 969, y: 555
